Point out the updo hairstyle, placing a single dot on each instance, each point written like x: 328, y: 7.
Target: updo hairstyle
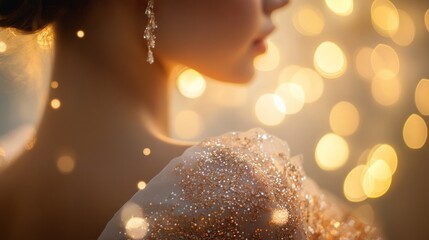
x: 30, y: 16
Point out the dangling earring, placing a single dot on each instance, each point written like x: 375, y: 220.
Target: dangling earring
x: 149, y: 34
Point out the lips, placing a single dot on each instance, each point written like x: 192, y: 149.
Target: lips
x: 261, y: 42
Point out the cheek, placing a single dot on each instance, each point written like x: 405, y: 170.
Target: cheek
x: 212, y: 37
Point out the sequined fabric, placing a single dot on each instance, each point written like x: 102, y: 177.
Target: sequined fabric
x: 236, y: 186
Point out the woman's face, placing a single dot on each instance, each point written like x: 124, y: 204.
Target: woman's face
x: 219, y: 38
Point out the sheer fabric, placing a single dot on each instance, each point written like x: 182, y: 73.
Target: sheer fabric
x: 235, y: 186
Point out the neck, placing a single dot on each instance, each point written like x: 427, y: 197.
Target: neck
x: 106, y: 89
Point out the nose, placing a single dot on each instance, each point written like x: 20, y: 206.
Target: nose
x: 271, y: 5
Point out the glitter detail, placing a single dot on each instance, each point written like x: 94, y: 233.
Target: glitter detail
x: 240, y: 186
x: 149, y: 34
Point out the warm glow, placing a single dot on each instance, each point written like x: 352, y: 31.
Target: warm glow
x: 340, y: 7
x: 385, y: 153
x: 308, y: 21
x: 365, y: 213
x: 311, y: 82
x: 344, y: 119
x: 363, y: 63
x: 3, y: 47
x: 422, y: 97
x: 270, y: 60
x: 385, y: 17
x: 228, y: 95
x: 293, y: 97
x: 188, y: 124
x: 2, y: 154
x: 427, y: 20
x: 80, y: 34
x: 406, y: 30
x: 330, y: 60
x: 352, y: 187
x: 130, y: 210
x: 280, y: 217
x: 66, y: 164
x: 45, y: 38
x: 287, y: 73
x: 141, y: 185
x: 377, y: 179
x: 137, y: 227
x: 30, y: 144
x: 415, y: 132
x: 191, y: 84
x: 54, y: 85
x: 386, y: 91
x: 146, y: 151
x: 385, y: 61
x: 332, y: 152
x: 55, y: 103
x: 270, y: 109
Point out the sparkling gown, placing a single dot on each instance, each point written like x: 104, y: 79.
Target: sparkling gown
x: 236, y: 186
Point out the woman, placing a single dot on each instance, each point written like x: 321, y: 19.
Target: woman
x: 111, y: 81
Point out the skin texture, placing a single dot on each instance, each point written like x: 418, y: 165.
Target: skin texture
x: 205, y: 36
x: 114, y: 104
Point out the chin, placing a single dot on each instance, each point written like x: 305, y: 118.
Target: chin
x: 236, y: 78
x: 240, y: 75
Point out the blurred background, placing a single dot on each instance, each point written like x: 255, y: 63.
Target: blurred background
x: 345, y: 83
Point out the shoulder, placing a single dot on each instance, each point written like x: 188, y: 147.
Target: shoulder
x: 230, y: 184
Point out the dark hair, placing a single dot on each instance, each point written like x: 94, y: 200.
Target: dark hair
x: 32, y: 15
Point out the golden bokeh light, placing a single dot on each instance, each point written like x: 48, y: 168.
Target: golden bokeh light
x: 269, y: 60
x: 377, y: 179
x: 363, y: 63
x: 141, y: 185
x: 146, y: 151
x: 3, y: 47
x: 137, y: 227
x: 406, y: 32
x: 270, y: 109
x: 308, y: 21
x: 54, y: 84
x: 188, y: 124
x: 66, y: 164
x: 130, y: 210
x: 55, y: 103
x: 385, y: 61
x: 386, y: 92
x: 415, y: 132
x: 332, y: 152
x: 191, y: 84
x: 311, y: 82
x: 80, y: 34
x: 293, y: 97
x: 422, y: 96
x: 352, y: 187
x: 287, y: 73
x: 427, y: 19
x: 386, y: 153
x: 385, y: 17
x: 329, y: 60
x: 340, y: 7
x: 280, y: 217
x: 344, y: 119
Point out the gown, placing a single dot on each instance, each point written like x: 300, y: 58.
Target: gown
x: 240, y: 185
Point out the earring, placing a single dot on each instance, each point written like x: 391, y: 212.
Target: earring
x: 149, y: 34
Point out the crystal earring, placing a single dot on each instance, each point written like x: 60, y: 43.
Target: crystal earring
x: 149, y: 34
